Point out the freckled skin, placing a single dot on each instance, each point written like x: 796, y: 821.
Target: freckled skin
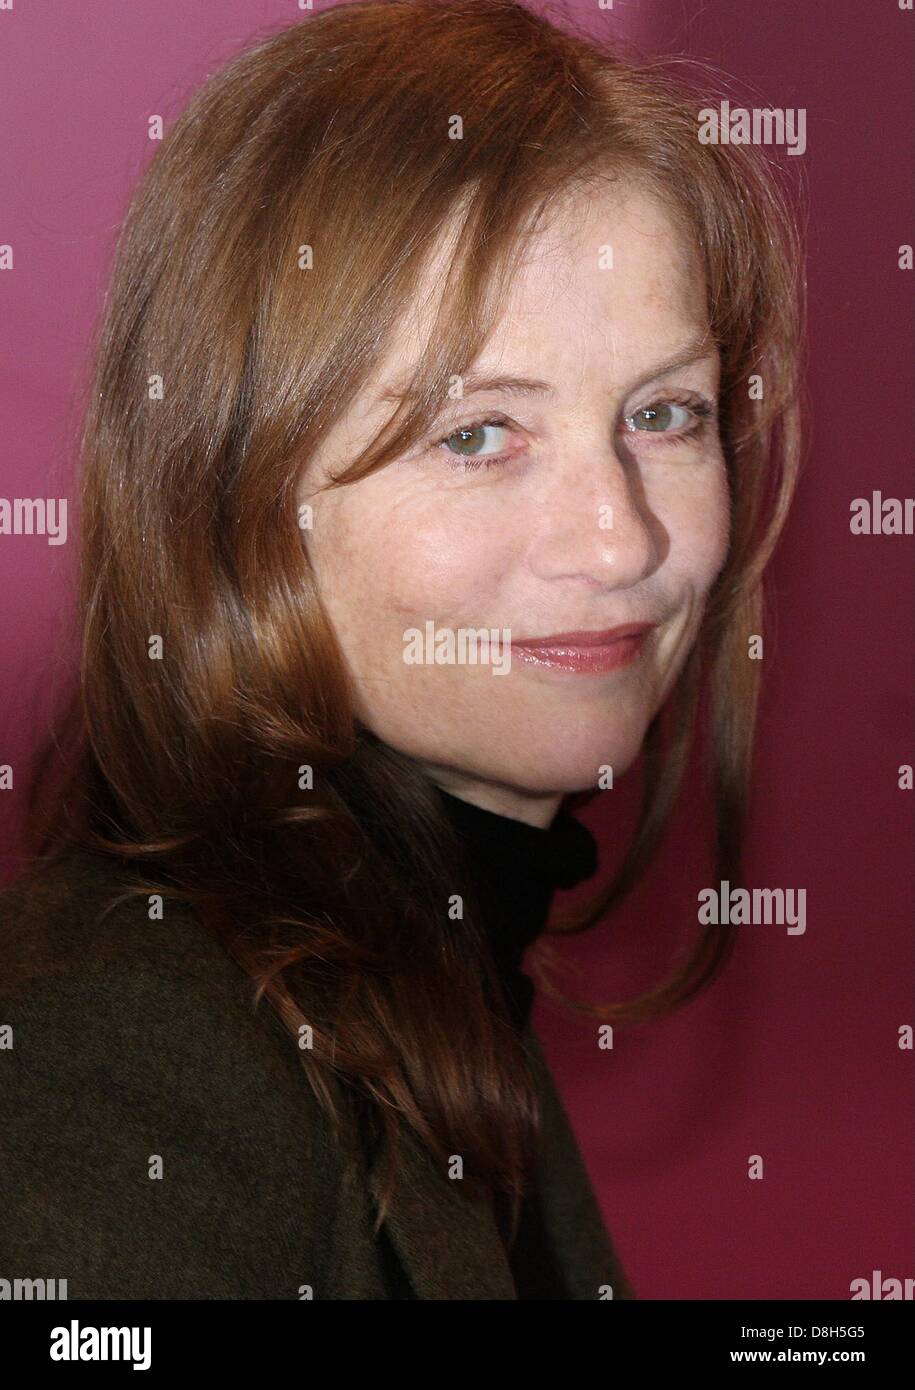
x: 521, y: 545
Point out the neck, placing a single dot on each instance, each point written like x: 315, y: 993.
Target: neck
x: 532, y: 808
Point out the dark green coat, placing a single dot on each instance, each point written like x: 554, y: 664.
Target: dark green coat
x: 144, y: 1042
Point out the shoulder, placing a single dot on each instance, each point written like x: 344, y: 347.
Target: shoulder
x: 137, y: 988
x: 159, y: 1137
x: 140, y: 992
x: 76, y: 914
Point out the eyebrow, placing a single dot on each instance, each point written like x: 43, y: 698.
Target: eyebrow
x: 475, y: 383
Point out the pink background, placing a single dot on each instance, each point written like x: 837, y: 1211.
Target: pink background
x: 793, y: 1055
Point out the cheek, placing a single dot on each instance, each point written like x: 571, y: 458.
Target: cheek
x: 695, y: 513
x: 388, y: 561
x: 419, y: 559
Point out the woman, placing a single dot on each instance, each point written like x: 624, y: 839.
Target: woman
x: 443, y: 422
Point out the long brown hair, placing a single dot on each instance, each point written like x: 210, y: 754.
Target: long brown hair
x: 193, y: 770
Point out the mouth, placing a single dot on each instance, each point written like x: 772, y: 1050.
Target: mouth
x: 585, y: 652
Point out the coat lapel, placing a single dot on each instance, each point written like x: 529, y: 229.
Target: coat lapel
x: 574, y: 1223
x: 447, y: 1242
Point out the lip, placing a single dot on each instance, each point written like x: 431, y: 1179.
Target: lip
x: 585, y: 651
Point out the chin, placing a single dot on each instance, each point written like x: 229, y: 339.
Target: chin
x: 563, y: 760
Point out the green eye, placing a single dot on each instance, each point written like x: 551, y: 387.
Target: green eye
x: 658, y: 418
x: 469, y: 441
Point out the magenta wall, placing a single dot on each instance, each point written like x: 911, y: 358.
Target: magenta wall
x: 793, y: 1055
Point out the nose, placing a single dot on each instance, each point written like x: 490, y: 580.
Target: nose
x: 595, y: 524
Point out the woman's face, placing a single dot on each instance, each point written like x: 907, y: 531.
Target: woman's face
x: 598, y: 499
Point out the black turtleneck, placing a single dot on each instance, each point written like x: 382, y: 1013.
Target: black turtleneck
x: 518, y: 868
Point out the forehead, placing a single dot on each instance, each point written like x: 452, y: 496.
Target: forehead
x: 573, y: 316
x: 612, y: 273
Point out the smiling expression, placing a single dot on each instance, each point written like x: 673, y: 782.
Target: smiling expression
x: 578, y: 485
